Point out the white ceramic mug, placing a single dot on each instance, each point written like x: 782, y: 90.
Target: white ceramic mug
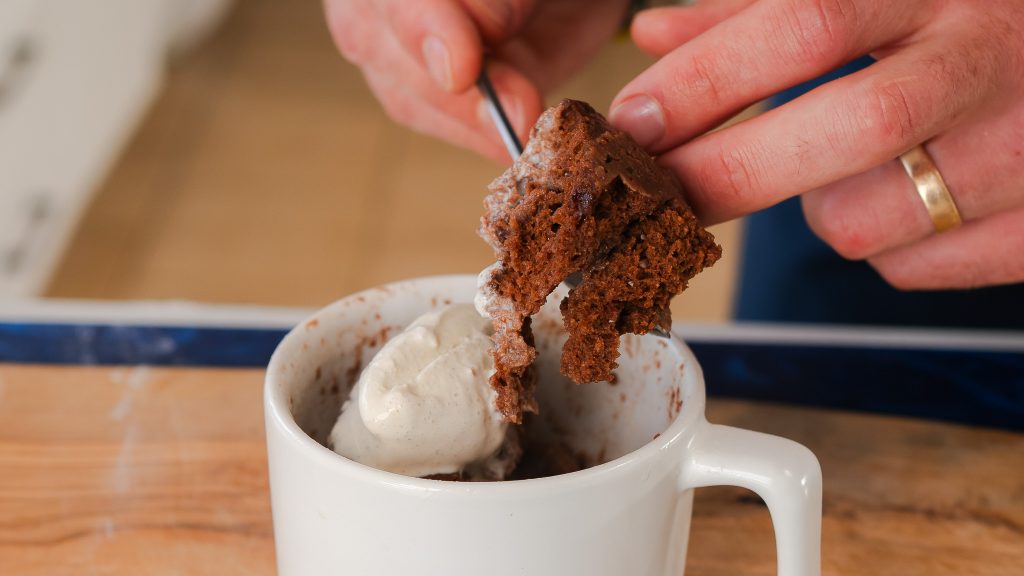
x: 627, y: 517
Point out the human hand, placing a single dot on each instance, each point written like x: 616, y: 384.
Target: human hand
x: 950, y: 73
x: 421, y: 58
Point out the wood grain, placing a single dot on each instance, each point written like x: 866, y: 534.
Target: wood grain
x: 163, y: 471
x: 132, y: 471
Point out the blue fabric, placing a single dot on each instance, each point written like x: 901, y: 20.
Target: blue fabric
x: 789, y: 275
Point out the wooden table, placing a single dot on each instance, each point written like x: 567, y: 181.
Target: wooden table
x: 163, y: 471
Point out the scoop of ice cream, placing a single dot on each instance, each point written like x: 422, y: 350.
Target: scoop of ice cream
x: 424, y: 405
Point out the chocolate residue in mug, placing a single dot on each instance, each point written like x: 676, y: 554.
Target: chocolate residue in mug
x: 373, y: 340
x: 675, y: 403
x: 548, y: 458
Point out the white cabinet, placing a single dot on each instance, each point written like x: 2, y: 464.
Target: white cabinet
x: 76, y: 76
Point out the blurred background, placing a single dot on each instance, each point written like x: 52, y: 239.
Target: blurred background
x: 223, y: 151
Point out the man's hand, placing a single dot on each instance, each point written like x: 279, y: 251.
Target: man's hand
x: 421, y: 58
x: 950, y: 74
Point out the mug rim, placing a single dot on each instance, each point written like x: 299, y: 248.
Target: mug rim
x: 277, y: 414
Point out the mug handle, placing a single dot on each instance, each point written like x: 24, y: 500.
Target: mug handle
x: 786, y: 475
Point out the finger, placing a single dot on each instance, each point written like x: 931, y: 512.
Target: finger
x: 423, y: 118
x: 986, y: 252
x: 407, y: 90
x: 499, y: 20
x: 439, y: 35
x: 543, y: 49
x: 519, y: 96
x: 840, y: 129
x: 411, y: 99
x: 880, y: 209
x: 658, y: 31
x: 772, y: 45
x: 350, y: 23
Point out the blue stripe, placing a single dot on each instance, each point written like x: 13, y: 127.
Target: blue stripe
x: 154, y: 345
x: 966, y: 386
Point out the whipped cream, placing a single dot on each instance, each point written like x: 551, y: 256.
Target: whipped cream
x: 486, y: 301
x: 424, y: 404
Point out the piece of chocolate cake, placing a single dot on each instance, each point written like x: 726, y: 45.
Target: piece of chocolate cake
x: 583, y: 197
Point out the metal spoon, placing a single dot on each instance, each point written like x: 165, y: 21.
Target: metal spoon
x: 508, y: 134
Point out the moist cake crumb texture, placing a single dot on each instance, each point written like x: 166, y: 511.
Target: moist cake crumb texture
x: 583, y: 198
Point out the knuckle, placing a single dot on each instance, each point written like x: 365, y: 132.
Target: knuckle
x: 831, y: 221
x: 348, y: 44
x: 891, y: 114
x: 817, y: 31
x: 696, y: 77
x: 404, y: 22
x: 900, y: 111
x: 342, y: 21
x: 405, y: 27
x: 733, y: 177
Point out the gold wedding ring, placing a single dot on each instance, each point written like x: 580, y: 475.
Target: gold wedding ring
x: 932, y: 189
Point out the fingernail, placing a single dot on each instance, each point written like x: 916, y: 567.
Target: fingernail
x: 438, y: 61
x: 642, y: 117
